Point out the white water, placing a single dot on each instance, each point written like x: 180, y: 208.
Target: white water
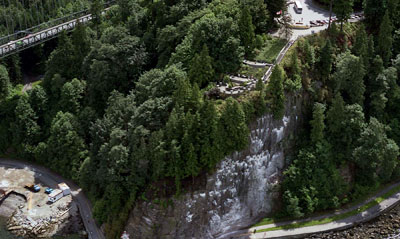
x: 242, y: 188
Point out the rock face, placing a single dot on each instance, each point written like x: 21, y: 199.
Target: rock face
x: 243, y: 188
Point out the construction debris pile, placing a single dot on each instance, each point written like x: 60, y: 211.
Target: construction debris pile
x: 23, y: 224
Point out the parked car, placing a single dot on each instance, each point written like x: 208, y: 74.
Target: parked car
x: 48, y: 190
x: 34, y: 188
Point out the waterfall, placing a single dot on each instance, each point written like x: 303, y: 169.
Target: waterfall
x: 242, y: 190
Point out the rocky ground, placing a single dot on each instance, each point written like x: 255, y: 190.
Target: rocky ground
x: 385, y: 226
x: 36, y: 217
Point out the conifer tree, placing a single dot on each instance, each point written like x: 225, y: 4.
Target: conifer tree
x: 343, y: 9
x: 276, y: 92
x: 201, y: 69
x: 4, y: 83
x: 385, y: 40
x: 317, y: 123
x: 374, y: 11
x: 326, y: 60
x: 360, y: 47
x: 246, y: 28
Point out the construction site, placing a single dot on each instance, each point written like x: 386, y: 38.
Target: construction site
x: 36, y: 210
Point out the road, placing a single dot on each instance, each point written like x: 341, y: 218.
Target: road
x: 50, y: 178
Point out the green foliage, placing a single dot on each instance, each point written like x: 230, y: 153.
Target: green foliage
x: 233, y: 126
x: 349, y: 78
x: 276, y: 92
x: 246, y: 29
x: 343, y: 9
x: 325, y: 61
x: 201, y: 69
x: 4, y: 83
x: 385, y: 40
x: 374, y: 10
x: 317, y: 123
x: 377, y: 155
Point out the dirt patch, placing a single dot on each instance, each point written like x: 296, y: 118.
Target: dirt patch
x: 36, y: 217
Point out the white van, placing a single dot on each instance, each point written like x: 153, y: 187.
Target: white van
x: 298, y: 7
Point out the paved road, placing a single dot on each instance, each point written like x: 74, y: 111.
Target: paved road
x: 345, y: 223
x: 52, y: 179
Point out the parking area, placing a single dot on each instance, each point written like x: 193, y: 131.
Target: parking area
x: 313, y: 16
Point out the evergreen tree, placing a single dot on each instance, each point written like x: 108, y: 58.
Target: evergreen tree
x: 71, y: 96
x: 210, y: 147
x: 183, y: 93
x: 4, y: 83
x: 95, y: 10
x: 201, y: 69
x: 374, y: 10
x: 246, y: 28
x: 378, y: 97
x: 343, y: 9
x: 349, y: 77
x: 360, y: 47
x: 233, y: 126
x: 63, y: 56
x: 377, y: 155
x: 309, y: 54
x: 81, y: 47
x: 325, y: 61
x: 25, y: 129
x: 385, y: 40
x: 317, y: 123
x: 66, y: 149
x: 393, y: 7
x: 276, y: 92
x: 260, y: 85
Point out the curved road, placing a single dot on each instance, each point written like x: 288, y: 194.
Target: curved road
x: 52, y: 179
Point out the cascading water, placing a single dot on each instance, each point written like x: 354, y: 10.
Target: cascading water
x: 241, y: 191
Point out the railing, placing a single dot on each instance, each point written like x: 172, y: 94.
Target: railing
x: 46, y: 31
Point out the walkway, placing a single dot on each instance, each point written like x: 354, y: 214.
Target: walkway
x: 52, y: 179
x: 342, y: 224
x: 34, y: 39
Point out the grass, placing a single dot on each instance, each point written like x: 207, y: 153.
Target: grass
x: 270, y: 50
x: 363, y: 208
x: 251, y: 71
x: 277, y: 218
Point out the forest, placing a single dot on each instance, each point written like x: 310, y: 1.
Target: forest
x: 125, y: 107
x: 349, y: 147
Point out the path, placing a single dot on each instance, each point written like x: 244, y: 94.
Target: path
x: 52, y: 179
x: 44, y: 35
x: 341, y: 224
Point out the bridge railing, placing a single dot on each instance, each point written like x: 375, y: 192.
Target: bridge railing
x: 48, y: 24
x: 40, y: 37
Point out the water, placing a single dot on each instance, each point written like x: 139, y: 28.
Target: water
x: 5, y: 234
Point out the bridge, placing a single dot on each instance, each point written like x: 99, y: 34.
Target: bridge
x: 14, y: 43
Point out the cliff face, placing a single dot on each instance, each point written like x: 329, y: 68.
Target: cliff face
x: 243, y: 189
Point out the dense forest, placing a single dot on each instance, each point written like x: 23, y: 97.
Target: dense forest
x: 124, y: 106
x: 126, y: 103
x: 350, y: 145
